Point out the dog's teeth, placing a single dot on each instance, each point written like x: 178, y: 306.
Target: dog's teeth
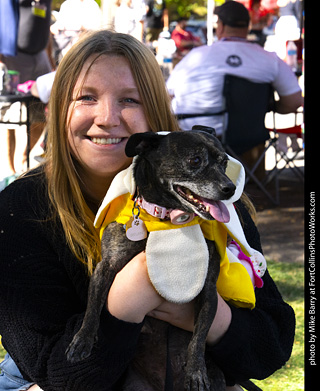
x: 190, y: 197
x: 207, y: 208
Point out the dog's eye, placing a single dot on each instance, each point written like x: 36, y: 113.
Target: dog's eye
x: 225, y: 162
x: 195, y: 161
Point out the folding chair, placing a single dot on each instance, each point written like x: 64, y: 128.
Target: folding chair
x: 282, y: 150
x: 246, y: 104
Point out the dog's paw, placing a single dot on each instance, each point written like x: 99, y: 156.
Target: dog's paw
x: 79, y: 349
x: 197, y: 380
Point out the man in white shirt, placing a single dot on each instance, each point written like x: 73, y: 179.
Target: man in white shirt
x: 196, y: 83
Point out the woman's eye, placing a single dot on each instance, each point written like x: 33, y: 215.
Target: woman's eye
x: 130, y: 100
x: 85, y: 98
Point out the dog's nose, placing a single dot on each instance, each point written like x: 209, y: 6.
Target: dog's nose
x: 228, y: 189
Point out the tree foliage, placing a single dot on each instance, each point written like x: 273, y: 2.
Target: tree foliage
x: 187, y: 8
x: 177, y: 8
x: 56, y: 4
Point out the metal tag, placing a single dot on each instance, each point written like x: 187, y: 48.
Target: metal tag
x: 136, y: 229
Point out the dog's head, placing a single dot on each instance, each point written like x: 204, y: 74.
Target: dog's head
x: 183, y: 170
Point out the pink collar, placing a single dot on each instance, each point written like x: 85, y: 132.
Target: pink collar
x: 175, y: 215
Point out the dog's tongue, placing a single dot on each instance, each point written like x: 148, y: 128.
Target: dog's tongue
x: 218, y: 210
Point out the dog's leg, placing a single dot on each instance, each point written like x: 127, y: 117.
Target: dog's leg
x: 196, y: 378
x: 117, y: 251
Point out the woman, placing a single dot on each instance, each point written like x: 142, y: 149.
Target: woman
x: 107, y: 87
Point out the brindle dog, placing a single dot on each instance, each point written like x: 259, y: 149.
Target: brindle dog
x: 167, y: 170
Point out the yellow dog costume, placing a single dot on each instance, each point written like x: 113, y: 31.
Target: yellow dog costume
x: 177, y: 255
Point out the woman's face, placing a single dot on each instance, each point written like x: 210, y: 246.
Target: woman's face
x: 106, y: 110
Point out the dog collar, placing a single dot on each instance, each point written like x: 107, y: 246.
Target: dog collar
x: 175, y: 215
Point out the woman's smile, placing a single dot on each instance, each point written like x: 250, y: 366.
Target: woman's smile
x: 106, y: 141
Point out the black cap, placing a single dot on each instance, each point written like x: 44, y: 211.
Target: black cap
x: 233, y: 14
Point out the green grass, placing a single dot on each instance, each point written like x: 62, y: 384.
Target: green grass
x: 289, y: 278
x: 2, y: 352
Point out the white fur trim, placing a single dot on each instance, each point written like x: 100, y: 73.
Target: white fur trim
x: 235, y: 229
x: 236, y: 173
x: 122, y: 183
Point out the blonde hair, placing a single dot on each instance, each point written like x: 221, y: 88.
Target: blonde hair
x: 64, y: 189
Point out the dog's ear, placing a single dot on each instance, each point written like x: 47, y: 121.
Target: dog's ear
x: 139, y: 143
x: 206, y: 129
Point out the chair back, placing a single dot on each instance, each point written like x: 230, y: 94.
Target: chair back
x: 246, y: 104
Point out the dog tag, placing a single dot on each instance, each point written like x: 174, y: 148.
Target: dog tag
x: 136, y: 229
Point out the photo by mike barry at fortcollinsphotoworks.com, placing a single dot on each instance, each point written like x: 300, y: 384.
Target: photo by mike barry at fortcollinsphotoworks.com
x: 311, y: 337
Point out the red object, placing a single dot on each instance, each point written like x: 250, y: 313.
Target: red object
x: 26, y: 86
x: 293, y: 130
x: 296, y: 129
x: 299, y: 45
x: 178, y: 37
x: 267, y: 5
x: 186, y: 36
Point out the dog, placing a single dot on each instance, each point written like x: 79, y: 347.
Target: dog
x: 182, y: 171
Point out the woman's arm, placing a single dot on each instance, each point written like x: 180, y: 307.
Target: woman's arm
x: 259, y: 341
x: 43, y: 291
x: 132, y: 297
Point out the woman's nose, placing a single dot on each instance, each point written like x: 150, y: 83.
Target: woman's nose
x: 107, y: 114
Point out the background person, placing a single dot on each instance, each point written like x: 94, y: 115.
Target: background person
x: 31, y: 61
x: 156, y: 20
x: 258, y: 21
x: 196, y: 83
x: 184, y: 39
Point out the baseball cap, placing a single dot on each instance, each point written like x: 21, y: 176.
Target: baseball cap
x: 233, y: 14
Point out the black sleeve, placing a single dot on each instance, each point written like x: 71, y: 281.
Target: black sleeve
x: 259, y: 341
x: 43, y: 291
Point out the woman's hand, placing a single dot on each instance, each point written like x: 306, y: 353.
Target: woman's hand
x: 182, y: 315
x: 132, y: 297
x: 179, y: 315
